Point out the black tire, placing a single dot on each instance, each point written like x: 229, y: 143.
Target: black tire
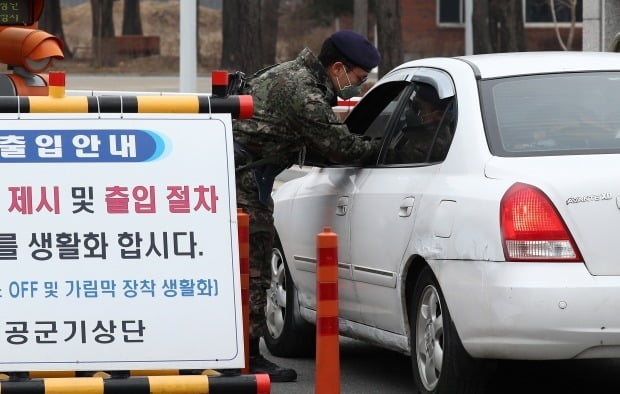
x: 441, y: 365
x: 287, y: 334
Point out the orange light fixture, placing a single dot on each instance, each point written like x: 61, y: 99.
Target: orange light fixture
x: 32, y: 49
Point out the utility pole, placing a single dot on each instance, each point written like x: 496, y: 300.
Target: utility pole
x: 187, y: 50
x: 469, y: 29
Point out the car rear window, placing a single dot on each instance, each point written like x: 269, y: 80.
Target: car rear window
x: 552, y: 114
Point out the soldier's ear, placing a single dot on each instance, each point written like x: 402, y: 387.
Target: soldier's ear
x: 335, y: 69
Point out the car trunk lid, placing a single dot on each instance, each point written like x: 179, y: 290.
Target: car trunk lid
x: 585, y: 190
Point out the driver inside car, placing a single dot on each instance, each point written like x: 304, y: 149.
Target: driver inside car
x: 426, y: 135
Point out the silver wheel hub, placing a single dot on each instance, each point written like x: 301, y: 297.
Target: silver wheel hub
x: 275, y: 310
x: 429, y: 338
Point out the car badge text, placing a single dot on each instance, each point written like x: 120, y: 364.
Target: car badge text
x: 589, y: 198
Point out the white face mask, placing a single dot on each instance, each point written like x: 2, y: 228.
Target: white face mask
x: 349, y: 90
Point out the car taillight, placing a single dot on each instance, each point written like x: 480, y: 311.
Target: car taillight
x: 532, y: 229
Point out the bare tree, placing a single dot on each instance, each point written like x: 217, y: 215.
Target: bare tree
x: 360, y: 16
x: 389, y: 35
x: 572, y: 5
x: 199, y: 56
x: 230, y: 34
x: 132, y: 22
x: 104, y: 50
x: 269, y: 15
x: 508, y: 27
x: 249, y: 30
x: 51, y: 22
x: 481, y: 30
x: 498, y: 26
x: 249, y: 58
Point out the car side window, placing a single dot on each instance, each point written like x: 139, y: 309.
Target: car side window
x: 378, y: 127
x: 371, y: 117
x: 424, y: 129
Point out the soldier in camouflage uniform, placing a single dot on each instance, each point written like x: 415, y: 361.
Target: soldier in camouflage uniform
x: 293, y: 116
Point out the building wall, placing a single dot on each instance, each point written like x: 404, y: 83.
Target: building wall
x: 544, y: 39
x: 592, y: 26
x: 601, y: 25
x: 422, y: 37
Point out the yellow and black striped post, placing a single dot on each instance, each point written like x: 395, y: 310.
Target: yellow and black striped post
x: 133, y: 372
x: 183, y: 384
x: 240, y: 106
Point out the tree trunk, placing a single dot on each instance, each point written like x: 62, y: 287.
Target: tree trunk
x: 242, y: 36
x: 360, y: 16
x: 230, y: 34
x: 132, y: 22
x: 198, y: 43
x: 498, y: 26
x: 51, y: 22
x: 104, y: 50
x: 481, y: 28
x: 269, y: 31
x: 506, y: 27
x: 389, y: 35
x: 250, y: 37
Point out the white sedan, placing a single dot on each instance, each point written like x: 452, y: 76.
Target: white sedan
x: 488, y: 234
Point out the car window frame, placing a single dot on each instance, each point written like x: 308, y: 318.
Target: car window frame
x: 445, y: 87
x: 367, y: 108
x: 373, y: 104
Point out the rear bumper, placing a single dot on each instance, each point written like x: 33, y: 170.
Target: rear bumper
x: 532, y: 310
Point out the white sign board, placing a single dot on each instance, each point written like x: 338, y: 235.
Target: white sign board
x: 118, y: 243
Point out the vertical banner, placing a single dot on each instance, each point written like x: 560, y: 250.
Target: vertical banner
x: 118, y: 243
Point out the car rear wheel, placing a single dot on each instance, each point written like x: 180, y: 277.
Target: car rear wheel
x: 440, y: 363
x: 288, y: 335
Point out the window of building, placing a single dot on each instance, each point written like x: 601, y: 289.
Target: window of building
x: 534, y: 11
x: 451, y: 11
x: 538, y: 11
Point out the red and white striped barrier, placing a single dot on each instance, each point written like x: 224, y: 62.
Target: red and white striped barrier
x: 345, y: 106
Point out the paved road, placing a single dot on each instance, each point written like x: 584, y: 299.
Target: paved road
x: 367, y: 369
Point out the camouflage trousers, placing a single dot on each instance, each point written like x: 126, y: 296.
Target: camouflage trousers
x: 261, y: 243
x: 262, y: 234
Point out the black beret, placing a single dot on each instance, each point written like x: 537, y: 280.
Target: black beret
x: 357, y: 49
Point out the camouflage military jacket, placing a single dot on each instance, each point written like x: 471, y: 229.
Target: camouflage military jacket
x: 293, y: 113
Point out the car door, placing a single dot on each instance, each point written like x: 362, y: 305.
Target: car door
x: 324, y: 199
x: 384, y: 206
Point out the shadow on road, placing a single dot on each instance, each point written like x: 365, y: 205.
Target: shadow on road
x: 549, y: 377
x: 367, y: 369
